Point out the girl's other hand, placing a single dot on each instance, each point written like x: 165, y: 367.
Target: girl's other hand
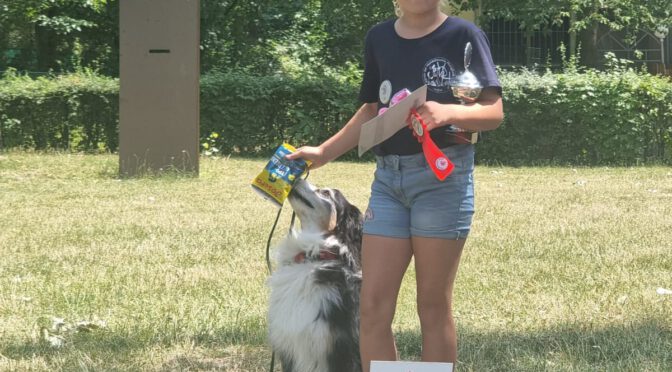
x: 315, y: 155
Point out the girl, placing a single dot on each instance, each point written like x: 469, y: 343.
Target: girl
x: 410, y: 212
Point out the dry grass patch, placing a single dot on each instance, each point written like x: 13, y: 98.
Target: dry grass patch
x: 560, y: 271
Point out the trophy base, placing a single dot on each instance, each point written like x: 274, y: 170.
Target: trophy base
x: 462, y: 136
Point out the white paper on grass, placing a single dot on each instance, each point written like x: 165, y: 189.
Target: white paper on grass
x: 379, y: 366
x: 384, y: 126
x: 663, y: 291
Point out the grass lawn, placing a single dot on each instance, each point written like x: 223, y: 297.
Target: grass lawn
x: 560, y: 273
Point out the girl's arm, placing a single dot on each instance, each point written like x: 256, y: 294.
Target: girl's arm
x: 346, y: 139
x: 485, y: 114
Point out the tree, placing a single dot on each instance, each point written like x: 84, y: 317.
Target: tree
x: 239, y: 33
x: 58, y: 35
x: 263, y: 35
x: 345, y: 24
x: 271, y: 36
x: 587, y: 16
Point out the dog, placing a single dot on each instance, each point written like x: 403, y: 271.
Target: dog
x: 313, y: 314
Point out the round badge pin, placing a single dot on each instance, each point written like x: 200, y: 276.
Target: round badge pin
x: 417, y: 126
x: 441, y: 164
x: 385, y: 92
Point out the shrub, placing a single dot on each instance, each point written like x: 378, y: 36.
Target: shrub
x: 75, y: 111
x: 620, y: 116
x: 256, y: 114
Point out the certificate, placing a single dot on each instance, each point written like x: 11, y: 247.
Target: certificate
x: 391, y: 121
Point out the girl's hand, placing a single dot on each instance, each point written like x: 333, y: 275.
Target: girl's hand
x: 434, y: 114
x: 315, y: 155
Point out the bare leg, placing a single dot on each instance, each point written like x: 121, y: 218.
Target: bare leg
x: 384, y: 262
x: 436, y: 263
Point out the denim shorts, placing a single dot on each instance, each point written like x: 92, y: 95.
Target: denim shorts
x: 408, y: 200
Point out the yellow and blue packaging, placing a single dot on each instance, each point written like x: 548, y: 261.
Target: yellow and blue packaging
x: 275, y: 181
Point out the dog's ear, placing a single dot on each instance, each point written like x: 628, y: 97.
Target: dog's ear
x: 349, y: 227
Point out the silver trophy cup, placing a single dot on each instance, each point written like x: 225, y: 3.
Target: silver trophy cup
x: 467, y: 89
x: 466, y: 86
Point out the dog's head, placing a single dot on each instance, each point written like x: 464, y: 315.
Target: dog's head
x: 327, y: 212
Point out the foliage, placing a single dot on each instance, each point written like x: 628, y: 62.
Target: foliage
x: 59, y: 35
x: 76, y: 111
x: 210, y: 144
x: 538, y: 14
x: 618, y: 116
x: 346, y: 24
x: 301, y: 37
x: 264, y: 37
x: 237, y: 34
x: 586, y: 18
x: 255, y: 114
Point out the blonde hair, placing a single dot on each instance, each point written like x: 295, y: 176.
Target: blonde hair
x: 397, y: 8
x: 398, y: 12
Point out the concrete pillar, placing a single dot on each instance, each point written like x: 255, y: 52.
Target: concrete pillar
x: 159, y: 87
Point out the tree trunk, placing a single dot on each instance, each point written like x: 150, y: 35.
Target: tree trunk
x: 45, y: 40
x: 589, y: 54
x: 572, y: 34
x: 112, y: 8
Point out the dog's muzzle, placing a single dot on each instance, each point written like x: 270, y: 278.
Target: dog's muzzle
x: 297, y: 193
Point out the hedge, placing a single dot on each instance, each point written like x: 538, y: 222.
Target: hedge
x: 76, y: 111
x: 621, y: 117
x: 255, y: 114
x: 617, y: 117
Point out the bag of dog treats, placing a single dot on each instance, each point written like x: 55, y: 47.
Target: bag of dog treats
x: 276, y: 180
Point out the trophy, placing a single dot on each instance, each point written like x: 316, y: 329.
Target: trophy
x: 466, y: 88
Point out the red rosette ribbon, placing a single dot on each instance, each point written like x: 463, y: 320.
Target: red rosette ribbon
x: 437, y: 160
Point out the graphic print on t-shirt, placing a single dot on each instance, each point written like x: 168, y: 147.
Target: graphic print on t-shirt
x: 437, y: 74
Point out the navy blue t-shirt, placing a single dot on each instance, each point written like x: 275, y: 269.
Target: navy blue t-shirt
x: 433, y: 59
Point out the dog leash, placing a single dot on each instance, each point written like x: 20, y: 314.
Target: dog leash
x: 268, y: 253
x: 270, y: 237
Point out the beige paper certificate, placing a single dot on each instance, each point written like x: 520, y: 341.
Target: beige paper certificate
x: 401, y: 366
x: 390, y: 122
